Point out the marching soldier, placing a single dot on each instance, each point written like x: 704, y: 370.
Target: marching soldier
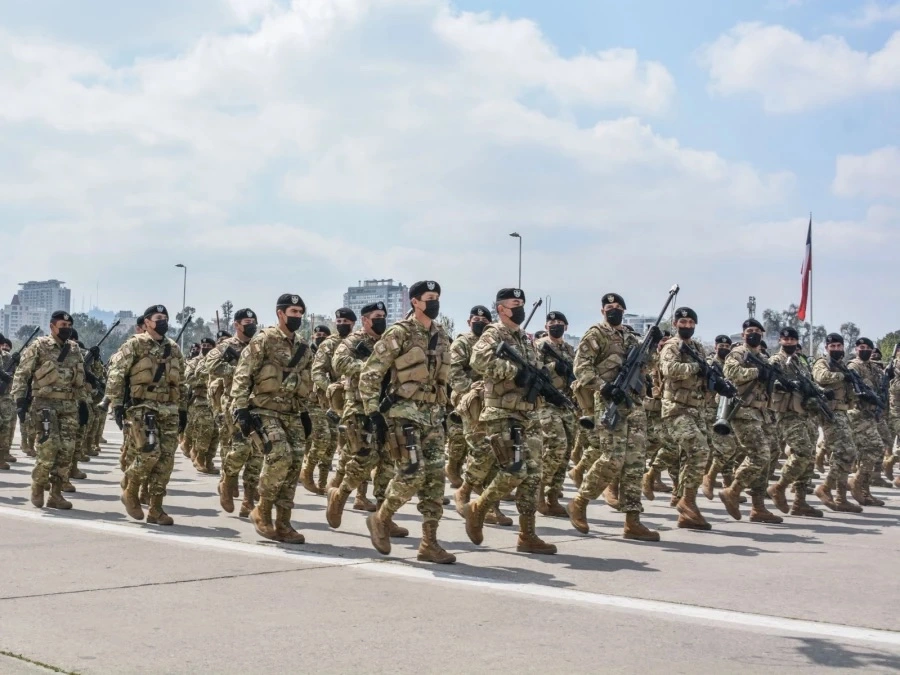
x: 723, y: 446
x: 201, y: 429
x: 7, y: 405
x: 320, y: 445
x: 864, y: 415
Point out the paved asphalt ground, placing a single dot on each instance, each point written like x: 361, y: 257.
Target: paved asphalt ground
x: 92, y: 591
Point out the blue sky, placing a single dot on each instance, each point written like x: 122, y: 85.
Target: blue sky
x: 302, y: 147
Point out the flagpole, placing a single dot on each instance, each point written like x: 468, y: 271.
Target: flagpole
x: 812, y: 325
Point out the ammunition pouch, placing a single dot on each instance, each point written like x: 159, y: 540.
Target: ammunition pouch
x: 652, y: 405
x: 267, y: 380
x: 411, y: 366
x: 685, y: 396
x: 470, y: 406
x: 509, y: 447
x: 402, y: 444
x: 144, y: 434
x: 358, y: 438
x: 45, y: 376
x: 334, y: 396
x: 507, y: 396
x: 584, y: 397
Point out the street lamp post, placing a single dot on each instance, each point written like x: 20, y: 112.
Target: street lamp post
x: 183, y: 303
x: 519, y: 237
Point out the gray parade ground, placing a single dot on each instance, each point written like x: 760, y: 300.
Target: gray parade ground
x: 92, y: 591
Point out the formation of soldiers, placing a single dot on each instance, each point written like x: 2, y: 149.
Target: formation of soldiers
x: 501, y: 414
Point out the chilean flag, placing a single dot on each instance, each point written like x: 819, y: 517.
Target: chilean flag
x: 804, y: 274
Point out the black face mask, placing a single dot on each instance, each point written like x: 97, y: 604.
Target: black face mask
x: 432, y: 309
x: 478, y: 328
x: 863, y: 354
x: 249, y: 330
x: 614, y: 317
x: 753, y: 339
x: 723, y: 352
x: 836, y: 356
x: 557, y: 331
x: 162, y: 327
x: 204, y: 352
x: 65, y: 334
x: 685, y: 333
x: 379, y: 326
x: 319, y: 340
x: 293, y: 323
x: 344, y: 329
x: 789, y: 349
x: 518, y: 315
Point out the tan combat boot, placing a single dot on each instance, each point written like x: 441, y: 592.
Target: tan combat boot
x: 453, y: 474
x: 673, y: 501
x: 211, y: 466
x: 77, y: 473
x: 37, y: 495
x: 576, y: 473
x: 156, y: 515
x: 56, y: 500
x: 647, y: 483
x: 820, y: 461
x: 709, y: 486
x: 887, y: 466
x: 9, y: 458
x: 322, y: 483
x: 462, y: 496
x: 362, y: 503
x: 394, y: 530
x: 635, y: 529
x: 730, y: 497
x: 776, y: 494
x: 130, y: 499
x: 760, y: 514
x: 496, y: 517
x: 528, y: 541
x: 871, y: 500
x: 67, y: 486
x: 611, y: 494
x: 429, y: 548
x: 261, y: 517
x: 541, y: 505
x: 226, y: 501
x: 379, y: 531
x: 823, y: 492
x: 306, y: 478
x: 337, y: 479
x: 4, y: 466
x: 249, y: 501
x: 659, y: 486
x: 577, y: 510
x: 801, y: 508
x: 284, y: 532
x: 555, y: 509
x: 841, y: 504
x: 334, y: 512
x: 144, y: 494
x: 474, y: 512
x: 689, y: 516
x: 856, y: 489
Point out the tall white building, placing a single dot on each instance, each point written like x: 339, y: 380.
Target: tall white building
x: 395, y: 297
x: 33, y: 305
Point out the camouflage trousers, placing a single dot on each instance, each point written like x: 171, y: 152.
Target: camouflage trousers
x: 869, y: 446
x: 617, y: 454
x: 425, y: 478
x: 82, y: 438
x: 581, y: 441
x: 56, y: 442
x: 95, y: 429
x: 524, y: 478
x: 457, y: 448
x: 7, y: 424
x: 201, y: 433
x: 281, y: 467
x: 481, y: 467
x: 662, y: 452
x: 322, y: 443
x: 241, y: 454
x: 752, y: 440
x: 838, y: 439
x: 363, y: 458
x: 884, y: 431
x: 558, y: 437
x: 26, y: 434
x: 797, y: 431
x: 724, y: 448
x: 688, y: 433
x: 153, y: 467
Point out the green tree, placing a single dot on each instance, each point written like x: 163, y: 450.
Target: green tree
x: 448, y: 325
x: 25, y: 331
x: 90, y: 330
x: 227, y: 313
x: 850, y: 333
x: 888, y: 343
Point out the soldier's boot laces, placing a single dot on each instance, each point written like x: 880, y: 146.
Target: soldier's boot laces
x: 394, y: 530
x: 379, y: 530
x: 306, y: 478
x: 576, y: 473
x: 362, y: 503
x: 429, y: 548
x: 730, y: 498
x: 647, y: 484
x: 337, y: 498
x: 801, y: 508
x: 556, y: 510
x: 528, y: 541
x: 226, y: 501
x: 156, y: 515
x: 635, y: 529
x: 776, y: 493
x: 841, y: 502
x: 611, y: 495
x: 689, y: 516
x: 452, y: 471
x: 474, y: 512
x: 871, y: 500
x: 249, y: 501
x: 131, y: 501
x: 284, y: 532
x: 760, y: 514
x: 261, y: 517
x: 144, y: 496
x: 496, y: 517
x: 67, y: 486
x: 823, y: 492
x: 37, y: 495
x: 56, y: 500
x: 577, y: 510
x: 462, y: 496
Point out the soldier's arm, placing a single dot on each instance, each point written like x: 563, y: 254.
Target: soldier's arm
x: 216, y: 364
x: 320, y: 367
x: 119, y: 365
x: 179, y: 365
x: 248, y: 363
x: 345, y: 362
x: 460, y: 381
x: 673, y: 368
x: 824, y: 376
x: 484, y: 360
x: 590, y: 346
x: 736, y: 372
x: 24, y: 372
x: 373, y: 370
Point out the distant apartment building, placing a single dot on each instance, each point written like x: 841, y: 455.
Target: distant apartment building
x: 33, y: 305
x: 395, y: 297
x: 639, y: 322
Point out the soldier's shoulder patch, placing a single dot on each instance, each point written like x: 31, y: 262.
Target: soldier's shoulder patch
x: 380, y: 347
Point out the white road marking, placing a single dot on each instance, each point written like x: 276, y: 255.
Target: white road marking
x: 773, y: 624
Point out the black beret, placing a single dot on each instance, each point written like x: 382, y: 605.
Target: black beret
x: 372, y: 307
x: 557, y: 316
x: 752, y: 323
x: 833, y: 338
x: 420, y: 287
x: 480, y: 310
x: 865, y: 341
x: 6, y: 341
x: 322, y: 329
x: 60, y: 315
x: 286, y: 300
x: 510, y: 294
x: 685, y: 313
x: 222, y: 334
x: 789, y: 333
x: 609, y: 298
x: 155, y: 309
x: 245, y: 313
x: 196, y: 345
x: 140, y: 321
x: 208, y: 341
x: 345, y: 313
x: 74, y: 335
x: 723, y: 340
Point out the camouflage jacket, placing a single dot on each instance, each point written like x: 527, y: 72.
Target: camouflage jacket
x: 262, y: 379
x: 137, y: 363
x: 5, y: 389
x: 198, y: 380
x: 323, y: 373
x: 461, y: 374
x: 750, y: 390
x: 871, y: 375
x: 416, y: 361
x: 829, y: 377
x: 348, y: 364
x: 220, y: 370
x: 502, y: 397
x: 784, y: 401
x: 562, y: 348
x: 683, y: 387
x: 598, y: 359
x: 49, y: 377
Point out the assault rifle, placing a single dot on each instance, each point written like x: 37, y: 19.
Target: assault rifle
x: 7, y: 373
x: 863, y: 390
x: 92, y: 355
x: 773, y: 375
x: 538, y: 382
x: 564, y: 364
x: 711, y: 372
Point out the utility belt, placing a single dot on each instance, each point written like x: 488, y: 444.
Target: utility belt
x: 509, y: 447
x: 55, y: 396
x: 402, y: 444
x: 507, y: 403
x: 144, y: 432
x: 153, y: 396
x: 685, y: 397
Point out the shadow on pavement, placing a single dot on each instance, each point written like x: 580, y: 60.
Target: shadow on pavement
x: 693, y: 548
x: 830, y: 654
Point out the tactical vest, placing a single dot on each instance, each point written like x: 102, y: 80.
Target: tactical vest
x: 62, y: 381
x: 690, y: 391
x: 154, y: 358
x: 841, y: 389
x: 276, y: 379
x: 470, y: 340
x: 608, y: 366
x: 563, y: 350
x: 421, y: 373
x: 784, y: 401
x: 751, y: 393
x: 504, y: 394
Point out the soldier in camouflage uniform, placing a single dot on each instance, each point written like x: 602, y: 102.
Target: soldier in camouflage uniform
x: 894, y: 417
x: 95, y: 376
x: 148, y: 372
x: 329, y: 390
x: 864, y: 416
x: 613, y: 453
x: 240, y: 453
x: 52, y: 368
x: 185, y: 437
x: 321, y: 445
x: 270, y: 392
x: 201, y: 433
x: 723, y: 446
x: 413, y: 359
x: 884, y: 428
x: 747, y: 427
x: 7, y: 405
x: 508, y: 437
x: 661, y: 452
x: 796, y: 419
x: 365, y: 453
x: 557, y: 424
x: 85, y: 403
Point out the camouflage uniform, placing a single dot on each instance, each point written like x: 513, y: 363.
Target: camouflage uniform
x: 461, y: 379
x: 864, y: 417
x: 894, y: 407
x: 557, y: 426
x: 55, y: 372
x: 201, y: 433
x: 186, y: 437
x: 724, y: 448
x: 7, y: 414
x: 153, y: 371
x: 265, y: 385
x: 95, y: 425
x: 325, y: 435
x: 662, y: 453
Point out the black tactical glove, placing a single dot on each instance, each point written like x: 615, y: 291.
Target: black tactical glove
x: 557, y: 399
x: 14, y: 360
x: 380, y: 426
x: 362, y: 350
x: 870, y: 397
x: 119, y: 416
x: 95, y: 352
x: 828, y: 394
x: 724, y: 388
x: 22, y: 406
x: 307, y: 423
x: 182, y: 421
x: 84, y: 415
x: 524, y: 377
x: 561, y: 368
x: 91, y: 379
x: 242, y: 419
x: 655, y: 334
x: 5, y: 377
x: 762, y: 375
x: 611, y: 393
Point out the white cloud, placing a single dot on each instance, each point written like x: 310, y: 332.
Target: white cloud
x: 875, y: 175
x: 873, y: 13
x: 792, y: 74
